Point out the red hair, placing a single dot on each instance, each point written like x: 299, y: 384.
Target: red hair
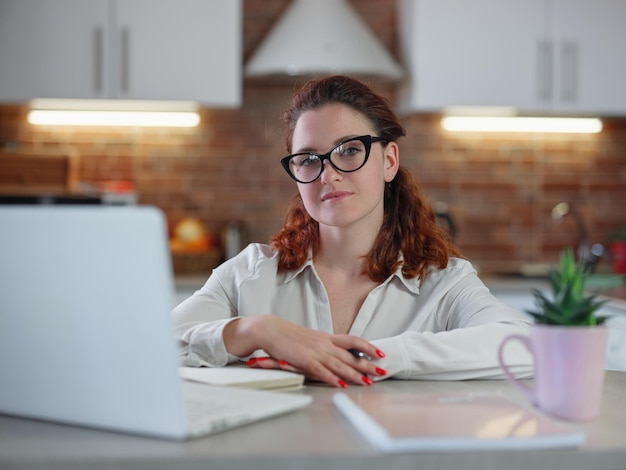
x: 409, y: 225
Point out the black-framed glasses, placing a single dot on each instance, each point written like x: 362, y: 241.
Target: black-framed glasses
x: 347, y: 156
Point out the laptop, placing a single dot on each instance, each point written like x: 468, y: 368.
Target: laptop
x: 86, y: 335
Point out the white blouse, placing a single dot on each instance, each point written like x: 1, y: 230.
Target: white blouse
x: 446, y: 327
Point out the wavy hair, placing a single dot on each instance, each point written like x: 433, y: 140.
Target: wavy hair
x: 409, y: 225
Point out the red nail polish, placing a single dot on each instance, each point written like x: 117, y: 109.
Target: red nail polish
x: 366, y: 380
x: 379, y: 353
x: 251, y: 361
x: 380, y: 371
x: 342, y: 384
x: 283, y: 363
x: 261, y: 358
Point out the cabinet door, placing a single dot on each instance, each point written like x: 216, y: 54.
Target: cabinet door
x: 183, y: 49
x: 590, y: 64
x: 474, y: 53
x: 52, y: 49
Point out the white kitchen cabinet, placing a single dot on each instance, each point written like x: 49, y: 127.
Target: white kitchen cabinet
x: 130, y: 49
x: 536, y: 55
x: 45, y: 52
x: 590, y: 63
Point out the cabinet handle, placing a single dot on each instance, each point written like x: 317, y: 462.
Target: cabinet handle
x: 544, y: 71
x: 569, y: 72
x: 97, y: 60
x: 124, y: 60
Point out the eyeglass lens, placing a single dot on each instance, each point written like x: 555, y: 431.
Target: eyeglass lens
x: 347, y: 156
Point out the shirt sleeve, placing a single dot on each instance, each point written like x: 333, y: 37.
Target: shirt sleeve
x: 475, y: 323
x: 200, y: 320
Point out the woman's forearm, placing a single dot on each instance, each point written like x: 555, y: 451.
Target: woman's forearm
x: 243, y: 336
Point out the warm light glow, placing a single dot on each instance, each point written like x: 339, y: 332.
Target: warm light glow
x: 521, y: 124
x: 113, y: 113
x: 113, y: 118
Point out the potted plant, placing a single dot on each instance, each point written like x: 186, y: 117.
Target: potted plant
x: 568, y: 342
x: 618, y: 250
x: 568, y: 305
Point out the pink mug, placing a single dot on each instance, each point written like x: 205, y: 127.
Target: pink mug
x: 569, y: 369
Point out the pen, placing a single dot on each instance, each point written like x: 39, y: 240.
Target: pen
x: 356, y: 353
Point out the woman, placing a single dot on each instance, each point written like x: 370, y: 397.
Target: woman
x: 359, y: 265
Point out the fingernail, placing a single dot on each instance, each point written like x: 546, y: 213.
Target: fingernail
x: 283, y: 363
x: 380, y: 371
x: 342, y: 384
x: 379, y: 353
x: 251, y: 361
x: 261, y: 358
x: 366, y: 380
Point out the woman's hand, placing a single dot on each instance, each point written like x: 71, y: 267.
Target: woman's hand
x: 319, y: 356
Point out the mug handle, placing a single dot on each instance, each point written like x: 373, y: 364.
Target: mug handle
x: 527, y: 391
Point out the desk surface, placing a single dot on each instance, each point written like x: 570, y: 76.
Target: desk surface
x: 313, y: 438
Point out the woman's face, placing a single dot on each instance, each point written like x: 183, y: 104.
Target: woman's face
x: 339, y: 199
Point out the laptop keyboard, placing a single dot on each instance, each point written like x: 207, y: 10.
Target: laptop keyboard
x: 208, y: 414
x: 212, y: 409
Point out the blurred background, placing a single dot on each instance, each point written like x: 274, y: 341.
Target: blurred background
x: 220, y: 183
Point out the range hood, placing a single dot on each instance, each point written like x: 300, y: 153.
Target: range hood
x: 315, y: 37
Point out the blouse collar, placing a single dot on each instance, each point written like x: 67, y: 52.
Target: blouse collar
x: 412, y: 284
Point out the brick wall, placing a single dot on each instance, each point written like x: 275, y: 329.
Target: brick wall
x: 500, y: 189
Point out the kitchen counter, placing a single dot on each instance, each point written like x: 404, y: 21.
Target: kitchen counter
x: 616, y: 293
x: 186, y: 285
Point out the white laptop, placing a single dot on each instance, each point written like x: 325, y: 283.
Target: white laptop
x: 86, y: 336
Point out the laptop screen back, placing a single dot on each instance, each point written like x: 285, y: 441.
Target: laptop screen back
x: 86, y: 334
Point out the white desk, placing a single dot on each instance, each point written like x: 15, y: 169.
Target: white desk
x: 315, y: 438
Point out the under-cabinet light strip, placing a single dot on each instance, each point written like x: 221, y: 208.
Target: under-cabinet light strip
x: 521, y: 124
x: 113, y: 118
x: 72, y: 112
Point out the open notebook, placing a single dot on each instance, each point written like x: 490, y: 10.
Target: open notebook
x: 87, y: 336
x: 403, y: 422
x: 244, y: 377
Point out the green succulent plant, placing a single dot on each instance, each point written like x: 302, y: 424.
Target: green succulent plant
x: 568, y: 305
